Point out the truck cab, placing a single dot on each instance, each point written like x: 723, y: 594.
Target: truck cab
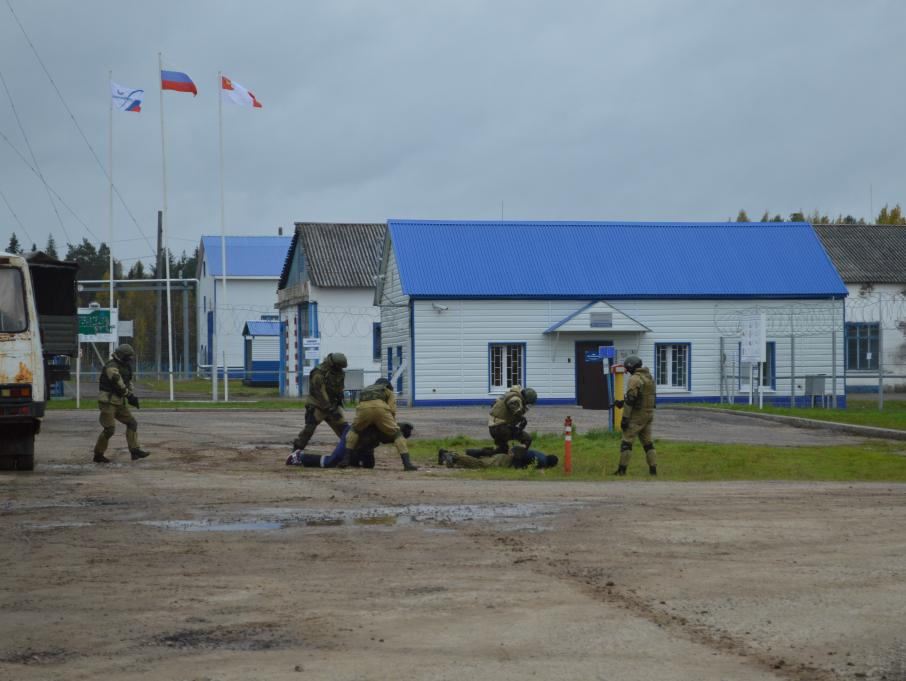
x: 22, y: 382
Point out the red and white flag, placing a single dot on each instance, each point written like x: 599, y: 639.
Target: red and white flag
x: 234, y: 92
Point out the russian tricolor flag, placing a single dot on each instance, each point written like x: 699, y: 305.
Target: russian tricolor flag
x: 176, y: 80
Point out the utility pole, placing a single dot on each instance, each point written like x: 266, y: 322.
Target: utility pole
x: 158, y: 269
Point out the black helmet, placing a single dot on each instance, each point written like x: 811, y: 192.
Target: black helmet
x: 338, y: 359
x: 529, y: 395
x: 632, y: 363
x: 124, y: 352
x: 551, y: 461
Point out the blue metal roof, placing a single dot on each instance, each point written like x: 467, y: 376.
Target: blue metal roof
x: 612, y: 260
x: 247, y: 256
x: 258, y: 327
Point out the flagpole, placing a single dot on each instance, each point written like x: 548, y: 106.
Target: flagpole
x: 223, y: 258
x: 163, y: 157
x: 110, y: 202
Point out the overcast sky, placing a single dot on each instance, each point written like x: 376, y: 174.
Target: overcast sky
x: 450, y: 109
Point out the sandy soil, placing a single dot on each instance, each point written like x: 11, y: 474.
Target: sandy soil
x: 211, y: 560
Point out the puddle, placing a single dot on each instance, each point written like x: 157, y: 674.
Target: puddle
x: 213, y: 526
x: 434, y: 518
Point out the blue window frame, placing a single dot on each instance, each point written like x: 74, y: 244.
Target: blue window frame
x: 768, y: 368
x: 862, y: 346
x: 673, y: 365
x: 506, y: 365
x: 376, y: 341
x: 389, y: 362
x: 399, y: 363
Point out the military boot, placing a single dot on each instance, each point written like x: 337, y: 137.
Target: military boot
x: 652, y: 470
x: 621, y: 470
x: 441, y: 456
x: 100, y: 458
x: 138, y: 453
x: 407, y: 463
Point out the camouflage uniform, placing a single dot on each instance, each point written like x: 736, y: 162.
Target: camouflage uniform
x: 516, y: 457
x: 377, y: 407
x: 638, y: 416
x: 507, y: 421
x: 326, y: 386
x: 115, y: 383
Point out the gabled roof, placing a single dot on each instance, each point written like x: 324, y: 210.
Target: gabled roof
x: 866, y: 253
x: 612, y: 260
x: 338, y: 255
x: 261, y: 327
x: 596, y: 316
x: 247, y: 256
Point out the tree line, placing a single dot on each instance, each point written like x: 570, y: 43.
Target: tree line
x: 138, y: 306
x: 887, y: 216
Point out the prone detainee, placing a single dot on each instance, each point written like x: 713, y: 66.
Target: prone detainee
x: 518, y: 456
x: 326, y: 388
x: 342, y: 456
x: 507, y: 419
x: 377, y: 407
x: 114, y: 397
x: 638, y: 415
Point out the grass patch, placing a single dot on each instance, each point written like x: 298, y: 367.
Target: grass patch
x: 596, y: 454
x: 857, y: 412
x: 202, y: 386
x: 187, y: 403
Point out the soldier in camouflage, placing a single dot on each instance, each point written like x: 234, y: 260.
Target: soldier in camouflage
x: 518, y: 456
x: 342, y: 457
x: 325, y: 398
x: 507, y: 420
x: 638, y: 414
x: 377, y: 407
x: 116, y: 393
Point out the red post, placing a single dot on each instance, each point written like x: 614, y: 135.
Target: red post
x: 568, y: 445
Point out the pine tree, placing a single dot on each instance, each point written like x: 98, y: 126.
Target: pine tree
x: 742, y: 216
x: 14, y: 245
x: 51, y: 248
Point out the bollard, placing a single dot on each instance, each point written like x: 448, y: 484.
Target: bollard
x: 568, y: 445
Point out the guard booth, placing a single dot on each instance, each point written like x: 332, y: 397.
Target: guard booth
x: 262, y: 353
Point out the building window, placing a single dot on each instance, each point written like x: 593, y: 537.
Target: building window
x: 376, y: 341
x: 768, y: 368
x: 507, y: 362
x: 671, y: 368
x: 862, y: 346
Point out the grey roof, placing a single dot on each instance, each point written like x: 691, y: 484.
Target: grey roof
x: 340, y: 255
x: 866, y: 253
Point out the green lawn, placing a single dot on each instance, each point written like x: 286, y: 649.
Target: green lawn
x: 595, y: 456
x: 203, y: 386
x: 188, y: 403
x: 860, y: 412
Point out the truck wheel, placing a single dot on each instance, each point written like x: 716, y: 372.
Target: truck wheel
x: 25, y: 461
x: 7, y: 463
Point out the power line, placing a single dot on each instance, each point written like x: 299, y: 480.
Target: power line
x: 78, y: 127
x: 16, y: 217
x: 12, y: 104
x: 59, y: 198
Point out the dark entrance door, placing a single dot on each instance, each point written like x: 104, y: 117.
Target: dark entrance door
x: 592, y: 387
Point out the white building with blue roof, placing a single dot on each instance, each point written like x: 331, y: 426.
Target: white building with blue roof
x: 253, y: 266
x: 469, y: 308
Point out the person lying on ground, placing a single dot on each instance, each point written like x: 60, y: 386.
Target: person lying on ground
x: 518, y: 456
x: 342, y: 457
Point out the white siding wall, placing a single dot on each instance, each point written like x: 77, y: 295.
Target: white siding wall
x: 395, y: 324
x: 868, y: 304
x: 451, y: 355
x: 247, y: 299
x: 345, y: 322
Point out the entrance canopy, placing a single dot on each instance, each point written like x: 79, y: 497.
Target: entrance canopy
x: 597, y: 318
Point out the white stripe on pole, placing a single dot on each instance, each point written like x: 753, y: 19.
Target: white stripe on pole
x: 163, y: 156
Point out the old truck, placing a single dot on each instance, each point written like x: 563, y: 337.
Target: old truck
x: 38, y: 331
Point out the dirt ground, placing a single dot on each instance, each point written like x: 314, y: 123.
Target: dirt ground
x: 211, y: 560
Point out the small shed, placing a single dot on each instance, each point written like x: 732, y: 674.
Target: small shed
x: 262, y: 352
